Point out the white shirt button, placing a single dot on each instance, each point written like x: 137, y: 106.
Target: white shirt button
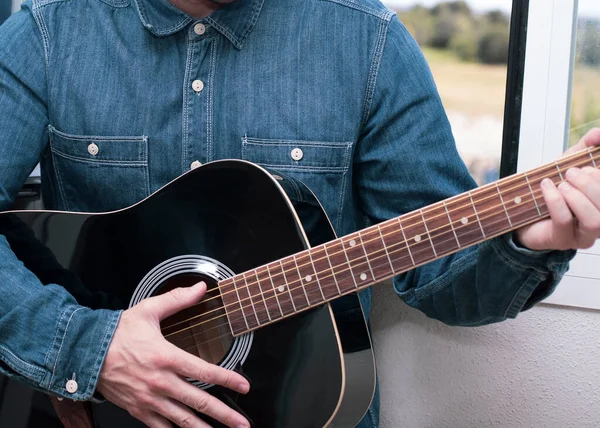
x: 277, y: 177
x: 199, y: 29
x: 72, y: 386
x: 197, y: 85
x: 297, y: 154
x: 195, y: 164
x: 93, y: 149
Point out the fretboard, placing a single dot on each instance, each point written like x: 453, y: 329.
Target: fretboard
x: 320, y: 274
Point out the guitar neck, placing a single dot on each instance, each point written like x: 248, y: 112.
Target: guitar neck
x: 320, y: 274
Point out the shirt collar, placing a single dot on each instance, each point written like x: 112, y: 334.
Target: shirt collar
x: 234, y: 21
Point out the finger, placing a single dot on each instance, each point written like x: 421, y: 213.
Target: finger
x: 188, y: 365
x: 170, y: 303
x: 208, y: 405
x: 592, y: 138
x: 587, y: 181
x: 181, y: 415
x: 586, y: 213
x: 154, y: 420
x: 562, y: 218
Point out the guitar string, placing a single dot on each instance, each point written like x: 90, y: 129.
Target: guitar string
x: 575, y: 156
x: 296, y: 288
x: 227, y: 325
x: 340, y: 252
x: 392, y: 222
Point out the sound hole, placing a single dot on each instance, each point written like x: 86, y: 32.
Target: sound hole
x: 203, y: 329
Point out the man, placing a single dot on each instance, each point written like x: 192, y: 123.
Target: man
x: 118, y: 97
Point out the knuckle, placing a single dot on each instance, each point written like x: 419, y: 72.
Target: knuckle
x: 202, y: 403
x: 186, y: 421
x: 564, y: 221
x: 203, y: 374
x: 145, y: 402
x: 138, y: 413
x: 177, y: 293
x: 156, y: 383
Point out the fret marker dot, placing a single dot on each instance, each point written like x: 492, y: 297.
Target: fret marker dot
x: 464, y: 220
x: 308, y: 278
x: 418, y: 238
x: 518, y: 200
x: 352, y: 243
x: 281, y: 288
x: 363, y: 276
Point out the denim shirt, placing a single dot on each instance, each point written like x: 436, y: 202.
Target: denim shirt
x: 118, y: 97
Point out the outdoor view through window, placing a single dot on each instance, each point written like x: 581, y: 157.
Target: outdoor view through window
x: 585, y: 106
x: 466, y: 45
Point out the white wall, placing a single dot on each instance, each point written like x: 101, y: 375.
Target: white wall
x: 540, y: 370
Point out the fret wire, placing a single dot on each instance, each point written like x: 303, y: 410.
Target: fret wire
x: 592, y: 156
x: 503, y: 204
x: 287, y: 285
x: 348, y: 260
x: 427, y: 230
x: 261, y: 290
x: 274, y: 289
x: 533, y: 195
x: 385, y: 248
x: 332, y: 271
x: 406, y: 242
x: 316, y: 274
x: 362, y: 244
x: 451, y: 223
x: 297, y: 265
x: 559, y: 172
x: 300, y: 279
x: 476, y: 214
x: 250, y: 298
x: 240, y: 302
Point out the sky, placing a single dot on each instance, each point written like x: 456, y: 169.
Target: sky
x: 588, y: 8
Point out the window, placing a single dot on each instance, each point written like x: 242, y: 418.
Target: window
x: 466, y: 45
x: 561, y: 101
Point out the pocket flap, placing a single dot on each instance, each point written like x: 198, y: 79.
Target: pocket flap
x: 297, y: 154
x: 88, y: 148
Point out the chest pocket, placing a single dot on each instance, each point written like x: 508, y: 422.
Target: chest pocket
x: 95, y: 173
x: 322, y: 166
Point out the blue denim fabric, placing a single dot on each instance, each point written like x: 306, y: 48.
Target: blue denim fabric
x: 342, y: 80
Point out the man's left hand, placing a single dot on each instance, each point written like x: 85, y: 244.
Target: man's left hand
x: 574, y: 207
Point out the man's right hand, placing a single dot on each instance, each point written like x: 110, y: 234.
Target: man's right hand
x: 145, y: 374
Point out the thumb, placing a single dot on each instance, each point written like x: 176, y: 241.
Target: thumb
x: 592, y: 138
x: 170, y: 303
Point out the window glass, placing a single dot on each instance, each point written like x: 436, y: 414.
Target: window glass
x: 585, y: 104
x: 466, y: 45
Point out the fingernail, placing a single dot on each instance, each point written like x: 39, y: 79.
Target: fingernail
x: 564, y: 186
x: 546, y: 182
x: 199, y: 285
x: 573, y: 172
x: 243, y: 425
x: 243, y: 388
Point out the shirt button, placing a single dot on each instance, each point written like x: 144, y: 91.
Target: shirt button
x: 93, y: 149
x: 297, y: 154
x: 72, y: 386
x: 195, y: 164
x: 277, y: 177
x: 197, y: 85
x: 199, y: 29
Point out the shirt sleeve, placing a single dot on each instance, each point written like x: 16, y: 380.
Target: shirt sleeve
x: 46, y: 337
x: 406, y: 160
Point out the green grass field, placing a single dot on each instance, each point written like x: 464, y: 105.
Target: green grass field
x: 477, y: 89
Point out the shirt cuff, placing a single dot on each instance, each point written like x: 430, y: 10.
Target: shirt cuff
x: 546, y: 270
x: 78, y: 350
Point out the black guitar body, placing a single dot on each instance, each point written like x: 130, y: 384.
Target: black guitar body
x: 310, y: 370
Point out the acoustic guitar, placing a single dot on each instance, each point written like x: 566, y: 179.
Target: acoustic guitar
x: 282, y: 305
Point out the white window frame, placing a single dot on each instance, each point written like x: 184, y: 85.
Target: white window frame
x: 549, y: 59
